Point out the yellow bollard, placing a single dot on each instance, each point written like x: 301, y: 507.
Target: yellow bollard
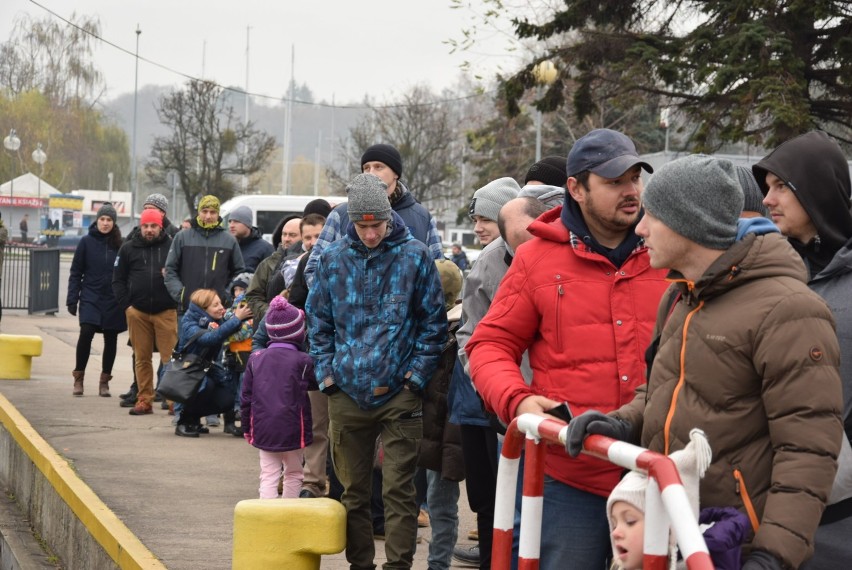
x: 16, y: 355
x: 287, y: 533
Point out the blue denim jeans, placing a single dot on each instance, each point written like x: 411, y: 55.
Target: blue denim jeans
x: 574, y: 529
x: 442, y: 496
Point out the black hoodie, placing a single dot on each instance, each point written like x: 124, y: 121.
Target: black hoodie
x: 814, y: 167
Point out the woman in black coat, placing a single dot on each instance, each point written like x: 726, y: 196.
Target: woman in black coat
x: 90, y: 287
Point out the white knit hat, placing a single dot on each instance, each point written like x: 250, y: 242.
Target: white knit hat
x: 691, y: 462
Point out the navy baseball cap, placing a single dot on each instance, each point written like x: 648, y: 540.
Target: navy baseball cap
x: 605, y: 152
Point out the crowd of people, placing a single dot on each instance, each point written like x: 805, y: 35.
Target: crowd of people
x: 704, y: 316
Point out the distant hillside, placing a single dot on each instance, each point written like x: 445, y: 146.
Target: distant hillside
x: 308, y: 121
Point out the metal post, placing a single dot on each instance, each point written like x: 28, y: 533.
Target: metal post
x: 317, y: 164
x: 289, y: 126
x: 246, y: 122
x: 12, y: 143
x: 537, y: 135
x: 133, y: 179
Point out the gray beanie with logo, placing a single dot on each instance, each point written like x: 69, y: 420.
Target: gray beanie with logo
x: 699, y: 197
x: 368, y: 199
x: 488, y: 200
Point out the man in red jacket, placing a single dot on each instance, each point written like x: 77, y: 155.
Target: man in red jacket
x: 582, y: 297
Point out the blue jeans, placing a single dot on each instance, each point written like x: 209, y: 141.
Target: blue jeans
x: 442, y: 496
x: 574, y: 529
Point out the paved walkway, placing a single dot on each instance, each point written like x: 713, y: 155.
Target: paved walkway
x: 176, y: 494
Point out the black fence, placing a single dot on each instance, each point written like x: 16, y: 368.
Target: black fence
x: 30, y: 279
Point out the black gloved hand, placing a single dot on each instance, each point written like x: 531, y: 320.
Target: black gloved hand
x: 760, y: 560
x: 73, y: 309
x: 594, y: 422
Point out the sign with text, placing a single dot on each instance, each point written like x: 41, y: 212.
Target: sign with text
x: 22, y: 202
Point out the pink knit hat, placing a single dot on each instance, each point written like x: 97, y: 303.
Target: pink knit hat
x: 284, y: 322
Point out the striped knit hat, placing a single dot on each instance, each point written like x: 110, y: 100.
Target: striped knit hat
x: 284, y: 322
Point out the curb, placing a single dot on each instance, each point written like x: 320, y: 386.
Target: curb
x: 117, y: 541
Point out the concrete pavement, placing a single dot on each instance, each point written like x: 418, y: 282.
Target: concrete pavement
x: 177, y: 495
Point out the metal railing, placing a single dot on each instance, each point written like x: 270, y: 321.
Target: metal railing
x: 30, y: 278
x: 666, y: 503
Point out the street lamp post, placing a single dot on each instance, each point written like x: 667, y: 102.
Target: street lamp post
x: 545, y: 74
x: 40, y: 157
x: 12, y: 144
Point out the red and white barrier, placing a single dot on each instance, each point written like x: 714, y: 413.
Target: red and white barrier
x: 666, y: 503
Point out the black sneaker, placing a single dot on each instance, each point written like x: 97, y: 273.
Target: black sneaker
x: 308, y: 494
x: 126, y: 403
x: 467, y: 556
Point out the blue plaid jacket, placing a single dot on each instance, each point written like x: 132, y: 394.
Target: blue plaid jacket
x: 375, y: 315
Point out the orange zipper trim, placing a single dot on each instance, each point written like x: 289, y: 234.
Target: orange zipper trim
x: 743, y: 492
x: 680, y: 380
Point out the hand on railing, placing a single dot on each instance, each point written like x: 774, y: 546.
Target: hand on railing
x: 594, y: 422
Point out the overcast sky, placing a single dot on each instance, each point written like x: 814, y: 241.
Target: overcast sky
x: 342, y: 48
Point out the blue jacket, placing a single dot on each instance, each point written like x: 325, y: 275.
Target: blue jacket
x: 275, y: 410
x: 420, y: 223
x: 208, y: 345
x: 375, y: 315
x: 90, y: 282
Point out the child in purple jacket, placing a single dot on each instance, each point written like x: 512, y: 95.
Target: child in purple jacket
x: 276, y: 412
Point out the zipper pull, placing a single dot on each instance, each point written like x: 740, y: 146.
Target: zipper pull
x: 559, y: 290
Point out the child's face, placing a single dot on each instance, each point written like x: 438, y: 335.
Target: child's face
x: 238, y: 291
x: 628, y: 533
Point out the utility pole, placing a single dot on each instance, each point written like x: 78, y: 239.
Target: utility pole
x: 289, y: 127
x: 246, y: 122
x: 134, y: 180
x: 317, y: 164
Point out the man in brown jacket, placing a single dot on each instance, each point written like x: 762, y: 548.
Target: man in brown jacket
x: 747, y: 352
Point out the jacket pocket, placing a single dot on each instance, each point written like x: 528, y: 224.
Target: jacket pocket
x: 394, y: 309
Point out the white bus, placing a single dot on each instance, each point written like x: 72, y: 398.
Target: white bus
x: 269, y: 209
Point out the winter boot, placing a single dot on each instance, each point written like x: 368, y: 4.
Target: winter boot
x: 231, y: 426
x: 131, y: 393
x: 103, y: 387
x: 78, y: 382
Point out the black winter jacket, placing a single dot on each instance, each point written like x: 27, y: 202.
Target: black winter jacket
x: 138, y: 277
x: 254, y: 249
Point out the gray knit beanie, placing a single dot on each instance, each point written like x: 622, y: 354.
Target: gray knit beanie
x: 488, y: 200
x: 241, y: 214
x: 368, y: 199
x: 699, y: 197
x: 107, y: 209
x: 751, y: 191
x: 158, y: 201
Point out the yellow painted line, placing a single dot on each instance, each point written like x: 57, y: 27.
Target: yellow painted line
x: 108, y: 530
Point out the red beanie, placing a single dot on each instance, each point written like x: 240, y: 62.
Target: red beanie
x: 151, y: 216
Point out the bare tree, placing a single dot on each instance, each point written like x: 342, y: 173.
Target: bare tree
x: 209, y: 147
x: 427, y: 131
x: 53, y: 58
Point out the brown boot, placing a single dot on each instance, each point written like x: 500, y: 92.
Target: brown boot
x: 78, y: 382
x: 103, y: 387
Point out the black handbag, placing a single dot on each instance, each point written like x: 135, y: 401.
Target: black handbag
x: 183, y: 374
